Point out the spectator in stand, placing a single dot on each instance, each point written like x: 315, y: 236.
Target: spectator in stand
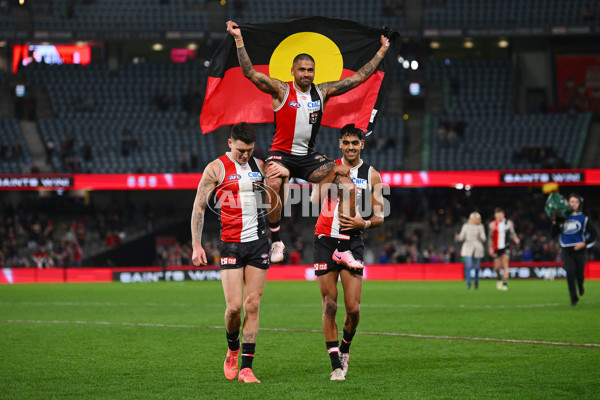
x: 125, y: 145
x: 3, y: 150
x: 194, y: 160
x: 472, y: 234
x: 294, y: 257
x: 112, y: 239
x: 184, y: 164
x: 582, y: 100
x: 527, y: 254
x: 17, y: 150
x: 86, y: 151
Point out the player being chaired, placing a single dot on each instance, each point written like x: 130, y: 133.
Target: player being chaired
x: 235, y: 179
x: 331, y: 229
x: 298, y: 107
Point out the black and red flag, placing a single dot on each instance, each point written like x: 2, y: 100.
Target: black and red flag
x: 339, y: 47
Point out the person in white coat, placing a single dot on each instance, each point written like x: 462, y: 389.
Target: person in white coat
x: 472, y: 235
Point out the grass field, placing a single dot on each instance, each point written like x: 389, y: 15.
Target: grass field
x: 166, y: 341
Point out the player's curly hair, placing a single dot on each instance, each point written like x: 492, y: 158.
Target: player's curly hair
x: 243, y: 131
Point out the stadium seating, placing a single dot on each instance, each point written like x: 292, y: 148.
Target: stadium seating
x: 479, y: 93
x: 6, y: 23
x: 493, y: 143
x: 131, y: 15
x: 102, y: 106
x: 10, y: 133
x: 481, y: 14
x: 371, y: 13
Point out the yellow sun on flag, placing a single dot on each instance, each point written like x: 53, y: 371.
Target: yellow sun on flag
x: 328, y: 57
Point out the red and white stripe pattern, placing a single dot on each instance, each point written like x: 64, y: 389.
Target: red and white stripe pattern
x: 239, y: 207
x: 500, y: 234
x: 297, y: 121
x: 328, y: 223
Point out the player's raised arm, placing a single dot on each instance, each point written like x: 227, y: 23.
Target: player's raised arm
x: 209, y: 181
x: 329, y: 89
x: 263, y: 82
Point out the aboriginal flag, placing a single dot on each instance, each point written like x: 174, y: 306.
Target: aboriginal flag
x: 339, y: 47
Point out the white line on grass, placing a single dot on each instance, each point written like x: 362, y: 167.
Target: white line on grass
x: 370, y: 305
x: 405, y: 335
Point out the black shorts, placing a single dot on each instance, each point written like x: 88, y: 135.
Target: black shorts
x: 299, y: 166
x: 238, y: 255
x: 502, y: 251
x: 324, y: 248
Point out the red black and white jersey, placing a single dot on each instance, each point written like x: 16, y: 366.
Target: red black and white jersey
x: 297, y: 121
x: 501, y: 233
x: 328, y: 223
x: 240, y: 195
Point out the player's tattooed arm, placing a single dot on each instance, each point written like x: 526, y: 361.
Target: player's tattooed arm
x: 340, y: 87
x: 326, y: 176
x: 337, y: 88
x: 262, y: 81
x: 209, y: 181
x: 320, y: 173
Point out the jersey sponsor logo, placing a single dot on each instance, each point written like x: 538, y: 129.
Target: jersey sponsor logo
x: 234, y: 177
x: 254, y: 175
x: 320, y: 266
x: 314, y: 117
x: 314, y: 105
x: 294, y: 104
x: 228, y: 261
x: 274, y: 158
x: 360, y: 183
x: 571, y: 227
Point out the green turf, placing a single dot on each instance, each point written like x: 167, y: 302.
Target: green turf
x: 46, y: 360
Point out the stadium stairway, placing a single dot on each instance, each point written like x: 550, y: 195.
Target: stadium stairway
x: 414, y: 149
x: 590, y: 157
x: 43, y: 103
x: 22, y: 18
x: 35, y: 145
x: 413, y: 12
x: 6, y: 102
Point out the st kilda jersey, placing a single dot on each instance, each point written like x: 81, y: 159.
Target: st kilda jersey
x: 328, y: 223
x: 297, y: 121
x: 501, y: 234
x: 240, y: 197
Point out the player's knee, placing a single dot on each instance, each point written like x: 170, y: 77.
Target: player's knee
x: 329, y: 306
x: 233, y: 310
x: 251, y: 306
x: 274, y: 183
x: 353, y: 312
